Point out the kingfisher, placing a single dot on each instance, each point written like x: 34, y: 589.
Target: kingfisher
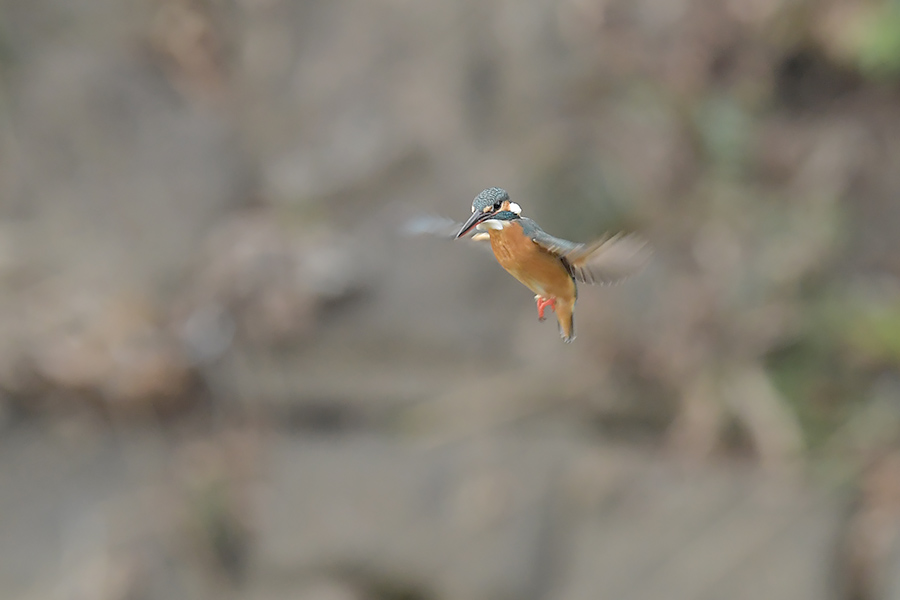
x: 549, y: 266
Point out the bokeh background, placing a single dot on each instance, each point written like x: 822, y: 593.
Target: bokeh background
x: 230, y: 368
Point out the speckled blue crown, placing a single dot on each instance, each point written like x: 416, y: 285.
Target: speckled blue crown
x: 489, y: 197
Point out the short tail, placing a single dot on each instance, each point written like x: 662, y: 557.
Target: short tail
x: 565, y: 315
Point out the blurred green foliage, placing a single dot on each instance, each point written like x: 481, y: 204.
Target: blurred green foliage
x: 724, y: 127
x: 878, y: 41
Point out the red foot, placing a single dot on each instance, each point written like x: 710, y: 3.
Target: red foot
x: 542, y: 304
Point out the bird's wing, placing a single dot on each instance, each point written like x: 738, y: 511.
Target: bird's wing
x: 551, y: 244
x: 443, y: 228
x: 437, y: 226
x: 610, y: 260
x: 606, y: 261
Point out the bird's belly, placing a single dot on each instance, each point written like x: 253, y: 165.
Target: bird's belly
x: 540, y: 271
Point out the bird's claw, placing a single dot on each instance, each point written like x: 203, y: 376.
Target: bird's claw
x: 542, y: 304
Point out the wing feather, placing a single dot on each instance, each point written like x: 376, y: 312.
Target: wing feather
x: 606, y: 261
x: 442, y: 227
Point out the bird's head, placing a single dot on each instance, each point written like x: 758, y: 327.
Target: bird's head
x: 491, y: 207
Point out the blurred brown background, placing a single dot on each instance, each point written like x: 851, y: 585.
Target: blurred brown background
x: 227, y: 372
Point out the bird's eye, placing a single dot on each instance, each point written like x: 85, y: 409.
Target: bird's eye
x: 497, y: 205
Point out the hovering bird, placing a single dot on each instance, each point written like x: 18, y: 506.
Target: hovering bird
x: 549, y: 266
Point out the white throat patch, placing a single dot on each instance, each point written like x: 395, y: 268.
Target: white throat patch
x: 495, y: 224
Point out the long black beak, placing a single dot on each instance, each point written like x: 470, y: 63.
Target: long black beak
x: 476, y: 218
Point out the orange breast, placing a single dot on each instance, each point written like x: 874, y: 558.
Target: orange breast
x: 540, y: 271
